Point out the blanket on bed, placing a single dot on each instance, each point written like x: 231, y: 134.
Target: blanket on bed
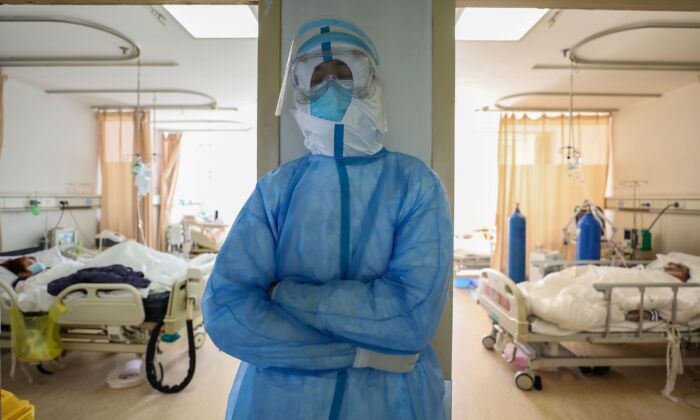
x: 113, y: 274
x: 161, y: 269
x: 568, y: 299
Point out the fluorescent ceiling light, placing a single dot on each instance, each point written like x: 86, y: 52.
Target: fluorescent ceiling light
x: 203, y: 21
x: 496, y: 24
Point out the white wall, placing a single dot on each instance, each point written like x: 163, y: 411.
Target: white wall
x: 476, y: 167
x: 403, y: 36
x: 658, y: 141
x: 49, y: 142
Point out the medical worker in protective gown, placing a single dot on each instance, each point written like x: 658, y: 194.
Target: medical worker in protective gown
x: 331, y: 283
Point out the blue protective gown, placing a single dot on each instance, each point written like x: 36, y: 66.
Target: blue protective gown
x: 362, y: 249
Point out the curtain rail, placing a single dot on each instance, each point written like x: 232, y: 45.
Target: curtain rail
x: 211, y: 105
x: 552, y: 110
x: 20, y: 64
x: 621, y: 64
x: 499, y: 102
x: 130, y: 53
x: 579, y: 67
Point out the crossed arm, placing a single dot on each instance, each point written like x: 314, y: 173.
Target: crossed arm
x: 316, y: 327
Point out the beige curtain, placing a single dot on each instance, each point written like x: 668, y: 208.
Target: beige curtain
x: 2, y: 109
x: 532, y: 171
x: 119, y: 143
x: 2, y: 126
x: 169, y: 165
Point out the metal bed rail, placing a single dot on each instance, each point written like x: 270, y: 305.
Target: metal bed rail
x: 607, y: 289
x: 607, y: 263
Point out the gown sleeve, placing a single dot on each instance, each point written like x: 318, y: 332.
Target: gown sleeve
x: 239, y: 316
x: 398, y: 312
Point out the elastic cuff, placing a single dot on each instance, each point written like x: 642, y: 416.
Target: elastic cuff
x: 361, y: 358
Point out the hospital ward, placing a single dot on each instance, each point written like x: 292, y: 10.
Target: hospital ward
x: 340, y: 210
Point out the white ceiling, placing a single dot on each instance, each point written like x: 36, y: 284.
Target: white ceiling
x: 225, y: 69
x: 487, y: 70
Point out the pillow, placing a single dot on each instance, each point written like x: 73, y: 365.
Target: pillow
x: 690, y: 261
x: 7, y: 276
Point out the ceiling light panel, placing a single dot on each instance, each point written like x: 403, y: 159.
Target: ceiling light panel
x: 496, y: 24
x: 204, y: 21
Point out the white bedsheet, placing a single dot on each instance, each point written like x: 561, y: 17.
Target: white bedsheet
x: 543, y: 327
x: 162, y: 269
x: 568, y: 300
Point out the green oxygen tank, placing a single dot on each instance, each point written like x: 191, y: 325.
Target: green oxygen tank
x: 646, y: 240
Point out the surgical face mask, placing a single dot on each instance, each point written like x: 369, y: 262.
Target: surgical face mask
x: 37, y: 268
x: 358, y: 133
x: 331, y: 99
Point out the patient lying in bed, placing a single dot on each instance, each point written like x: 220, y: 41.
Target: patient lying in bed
x: 569, y: 300
x: 20, y: 266
x: 679, y: 271
x: 161, y: 269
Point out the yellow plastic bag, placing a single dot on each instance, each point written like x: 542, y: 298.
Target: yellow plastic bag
x: 36, y: 337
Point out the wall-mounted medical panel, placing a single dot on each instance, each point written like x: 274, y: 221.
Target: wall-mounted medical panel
x: 654, y: 204
x: 27, y: 202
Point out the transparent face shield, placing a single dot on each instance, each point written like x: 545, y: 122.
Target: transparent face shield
x: 324, y: 53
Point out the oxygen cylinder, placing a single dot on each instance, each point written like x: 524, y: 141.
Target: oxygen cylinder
x: 516, y: 246
x: 588, y: 240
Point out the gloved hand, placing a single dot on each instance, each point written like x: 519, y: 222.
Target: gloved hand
x: 395, y: 363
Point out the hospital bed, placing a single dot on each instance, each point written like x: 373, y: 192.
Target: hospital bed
x: 203, y: 237
x: 119, y: 323
x: 541, y: 342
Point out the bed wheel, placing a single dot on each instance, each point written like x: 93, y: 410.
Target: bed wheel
x: 199, y: 338
x: 525, y: 381
x: 489, y: 341
x: 538, y: 383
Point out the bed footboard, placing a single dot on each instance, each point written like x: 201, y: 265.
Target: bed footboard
x: 186, y: 296
x: 95, y: 310
x: 504, y: 302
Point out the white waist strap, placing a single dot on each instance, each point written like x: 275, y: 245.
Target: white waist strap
x: 395, y: 363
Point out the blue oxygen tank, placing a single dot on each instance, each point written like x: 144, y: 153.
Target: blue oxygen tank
x: 516, y: 246
x: 588, y: 241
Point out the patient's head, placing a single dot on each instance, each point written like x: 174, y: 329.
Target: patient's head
x: 678, y: 271
x: 20, y: 266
